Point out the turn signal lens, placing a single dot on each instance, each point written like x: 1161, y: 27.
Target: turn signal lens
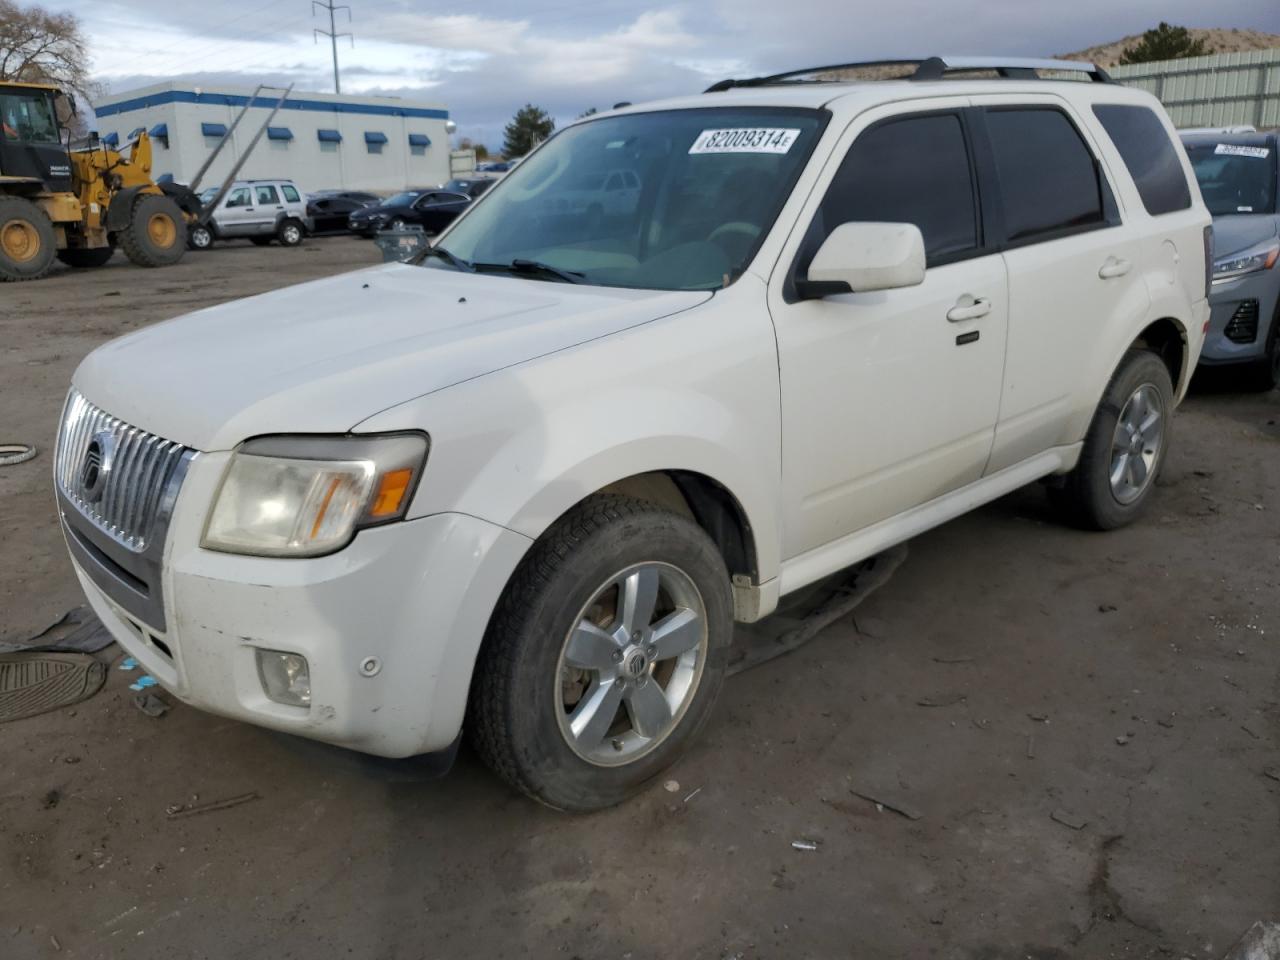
x: 390, y: 494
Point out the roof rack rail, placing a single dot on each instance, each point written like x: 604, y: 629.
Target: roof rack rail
x: 932, y: 68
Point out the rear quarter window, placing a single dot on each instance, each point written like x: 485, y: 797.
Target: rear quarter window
x: 290, y: 194
x: 1049, y: 180
x: 1145, y: 147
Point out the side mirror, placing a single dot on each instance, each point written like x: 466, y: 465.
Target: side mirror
x: 861, y: 257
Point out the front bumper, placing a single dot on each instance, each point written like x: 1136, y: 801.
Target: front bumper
x: 1225, y: 299
x: 416, y: 596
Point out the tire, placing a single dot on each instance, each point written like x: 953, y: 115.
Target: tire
x: 1088, y: 496
x: 290, y: 233
x: 95, y: 257
x: 156, y: 235
x: 27, y: 241
x: 1265, y: 374
x: 199, y: 237
x: 526, y: 697
x: 261, y: 241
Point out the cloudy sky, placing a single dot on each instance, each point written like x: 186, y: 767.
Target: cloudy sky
x: 485, y: 58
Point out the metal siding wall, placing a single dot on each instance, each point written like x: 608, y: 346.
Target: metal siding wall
x: 1217, y: 90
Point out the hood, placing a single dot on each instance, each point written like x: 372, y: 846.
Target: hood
x: 1237, y: 232
x: 322, y: 356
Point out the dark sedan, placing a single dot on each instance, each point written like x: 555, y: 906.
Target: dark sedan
x: 433, y: 210
x: 330, y: 213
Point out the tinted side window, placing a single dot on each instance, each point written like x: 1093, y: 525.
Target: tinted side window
x: 1048, y: 178
x: 290, y: 194
x: 1146, y: 150
x: 914, y: 170
x: 267, y: 194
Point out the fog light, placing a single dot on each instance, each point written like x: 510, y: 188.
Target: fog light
x: 285, y: 677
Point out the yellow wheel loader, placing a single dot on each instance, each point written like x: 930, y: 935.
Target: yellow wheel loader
x: 79, y: 204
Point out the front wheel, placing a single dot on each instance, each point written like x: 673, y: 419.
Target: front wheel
x: 604, y: 656
x: 1124, y: 448
x: 156, y: 235
x: 199, y: 237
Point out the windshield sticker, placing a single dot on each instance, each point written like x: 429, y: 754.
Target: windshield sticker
x: 745, y: 140
x: 1240, y: 150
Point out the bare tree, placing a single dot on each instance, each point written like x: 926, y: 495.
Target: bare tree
x: 40, y: 46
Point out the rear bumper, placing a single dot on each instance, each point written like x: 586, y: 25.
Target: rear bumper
x: 414, y: 596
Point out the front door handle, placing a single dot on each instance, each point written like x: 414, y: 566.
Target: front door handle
x: 969, y: 308
x: 1114, y: 267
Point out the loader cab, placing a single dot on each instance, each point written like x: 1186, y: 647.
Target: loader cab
x: 31, y: 145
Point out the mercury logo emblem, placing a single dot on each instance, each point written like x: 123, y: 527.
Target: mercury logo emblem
x: 96, y: 467
x: 635, y: 664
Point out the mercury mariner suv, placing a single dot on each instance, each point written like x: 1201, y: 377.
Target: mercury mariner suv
x: 525, y: 485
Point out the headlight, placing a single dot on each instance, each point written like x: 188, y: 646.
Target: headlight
x: 1261, y: 257
x: 306, y: 496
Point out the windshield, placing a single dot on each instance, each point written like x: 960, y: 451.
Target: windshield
x: 672, y: 200
x: 400, y: 200
x: 27, y: 117
x: 1235, y: 177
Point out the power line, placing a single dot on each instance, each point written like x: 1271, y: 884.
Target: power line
x: 332, y: 33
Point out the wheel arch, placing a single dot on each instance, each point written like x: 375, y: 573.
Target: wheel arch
x: 1167, y: 338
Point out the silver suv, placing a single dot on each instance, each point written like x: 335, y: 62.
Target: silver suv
x: 259, y: 210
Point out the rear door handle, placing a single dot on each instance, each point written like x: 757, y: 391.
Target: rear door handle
x: 969, y: 308
x: 1114, y: 267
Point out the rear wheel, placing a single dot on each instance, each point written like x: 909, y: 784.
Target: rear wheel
x: 1124, y: 448
x: 27, y: 241
x: 290, y: 233
x: 94, y: 257
x: 157, y: 233
x: 604, y: 656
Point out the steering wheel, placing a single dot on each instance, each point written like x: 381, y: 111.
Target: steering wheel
x: 748, y: 231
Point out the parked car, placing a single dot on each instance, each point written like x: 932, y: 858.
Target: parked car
x: 258, y: 210
x: 602, y: 193
x: 433, y: 210
x: 526, y: 484
x: 361, y: 196
x: 493, y: 166
x: 1240, y: 183
x: 473, y: 187
x: 330, y: 214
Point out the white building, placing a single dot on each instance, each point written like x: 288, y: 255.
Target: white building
x: 318, y: 140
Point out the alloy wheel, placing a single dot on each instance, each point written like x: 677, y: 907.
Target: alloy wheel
x: 631, y: 664
x: 1136, y: 443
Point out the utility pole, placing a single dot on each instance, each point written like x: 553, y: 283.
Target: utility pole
x: 332, y: 33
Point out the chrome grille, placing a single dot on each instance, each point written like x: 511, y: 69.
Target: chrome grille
x: 135, y: 469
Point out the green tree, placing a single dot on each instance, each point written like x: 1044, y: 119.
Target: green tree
x: 1165, y: 42
x: 528, y: 128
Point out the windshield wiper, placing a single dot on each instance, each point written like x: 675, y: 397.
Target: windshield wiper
x: 456, y: 262
x: 533, y: 268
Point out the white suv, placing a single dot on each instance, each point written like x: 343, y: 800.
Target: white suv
x: 527, y: 484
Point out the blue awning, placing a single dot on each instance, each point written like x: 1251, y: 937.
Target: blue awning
x: 111, y: 139
x: 213, y: 129
x: 159, y: 130
x: 136, y: 131
x: 373, y: 136
x: 279, y: 133
x: 419, y: 140
x: 329, y: 136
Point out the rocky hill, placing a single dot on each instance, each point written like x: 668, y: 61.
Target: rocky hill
x: 1217, y: 40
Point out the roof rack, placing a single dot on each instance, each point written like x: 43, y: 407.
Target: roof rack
x: 932, y: 68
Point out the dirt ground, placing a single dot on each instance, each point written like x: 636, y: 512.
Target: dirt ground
x: 1013, y: 675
